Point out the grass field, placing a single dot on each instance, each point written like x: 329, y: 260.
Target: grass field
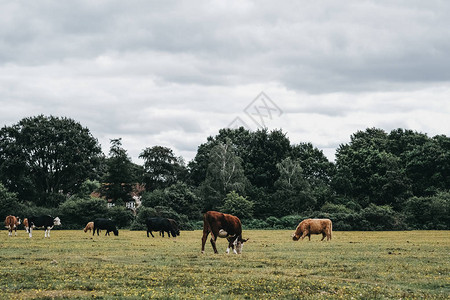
x: 358, y: 265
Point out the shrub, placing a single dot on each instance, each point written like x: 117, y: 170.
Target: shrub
x: 121, y: 215
x: 289, y: 222
x: 272, y: 221
x: 136, y: 225
x: 238, y: 206
x: 75, y: 213
x: 380, y: 217
x: 255, y: 224
x: 144, y: 213
x: 32, y: 210
x: 9, y: 204
x: 335, y: 208
x: 428, y: 212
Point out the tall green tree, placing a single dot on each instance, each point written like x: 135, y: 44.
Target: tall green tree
x: 266, y: 149
x: 239, y: 137
x: 45, y: 157
x: 368, y: 172
x: 161, y: 167
x: 224, y: 174
x: 428, y: 166
x: 120, y: 176
x: 317, y: 170
x: 293, y: 194
x: 178, y: 197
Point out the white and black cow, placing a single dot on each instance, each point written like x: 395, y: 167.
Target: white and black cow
x: 161, y: 224
x: 46, y: 222
x: 105, y: 224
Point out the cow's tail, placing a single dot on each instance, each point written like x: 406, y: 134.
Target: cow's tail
x: 331, y: 229
x: 206, y: 226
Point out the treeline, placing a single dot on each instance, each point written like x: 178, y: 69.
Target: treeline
x: 379, y: 181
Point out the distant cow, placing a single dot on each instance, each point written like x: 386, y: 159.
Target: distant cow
x: 25, y: 224
x: 11, y: 222
x: 161, y: 224
x: 105, y: 224
x: 89, y: 226
x: 313, y: 226
x: 174, y: 226
x: 224, y: 226
x: 46, y: 222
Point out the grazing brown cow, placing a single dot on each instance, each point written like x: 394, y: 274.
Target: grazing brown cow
x: 25, y: 224
x: 11, y: 222
x: 313, y: 226
x: 224, y: 226
x: 89, y: 226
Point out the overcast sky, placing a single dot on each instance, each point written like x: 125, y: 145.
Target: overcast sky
x: 173, y: 73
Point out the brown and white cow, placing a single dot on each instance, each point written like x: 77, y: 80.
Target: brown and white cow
x: 25, y: 224
x: 313, y: 226
x: 89, y: 226
x: 12, y: 222
x: 224, y: 226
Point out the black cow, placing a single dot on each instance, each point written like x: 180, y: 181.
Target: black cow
x: 105, y: 224
x: 174, y: 226
x: 46, y: 222
x: 161, y: 224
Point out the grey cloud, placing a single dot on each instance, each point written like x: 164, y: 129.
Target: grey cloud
x: 147, y: 69
x: 316, y: 48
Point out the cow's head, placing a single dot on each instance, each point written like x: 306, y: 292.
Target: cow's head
x: 56, y: 221
x: 295, y: 237
x: 239, y: 244
x: 116, y: 232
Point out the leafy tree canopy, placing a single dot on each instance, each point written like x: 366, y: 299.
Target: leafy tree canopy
x: 161, y: 167
x: 44, y: 156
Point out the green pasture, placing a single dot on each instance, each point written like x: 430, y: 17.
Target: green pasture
x: 358, y: 265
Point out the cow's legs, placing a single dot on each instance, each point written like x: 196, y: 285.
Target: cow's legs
x: 48, y: 234
x: 30, y: 230
x: 15, y: 231
x: 323, y: 236
x: 9, y: 230
x: 204, y: 238
x: 45, y: 234
x: 305, y: 233
x: 213, y: 242
x: 231, y: 244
